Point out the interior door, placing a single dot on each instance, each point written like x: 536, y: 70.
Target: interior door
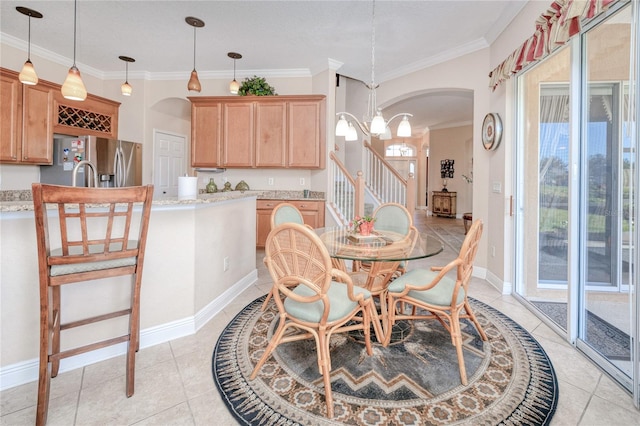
x: 169, y: 162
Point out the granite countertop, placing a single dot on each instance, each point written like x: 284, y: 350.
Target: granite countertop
x: 15, y: 201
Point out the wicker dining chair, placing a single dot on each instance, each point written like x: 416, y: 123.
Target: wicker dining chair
x: 432, y: 294
x: 283, y: 213
x: 313, y: 299
x: 94, y: 234
x: 396, y: 218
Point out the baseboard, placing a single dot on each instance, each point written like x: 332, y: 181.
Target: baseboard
x: 502, y: 286
x: 27, y: 371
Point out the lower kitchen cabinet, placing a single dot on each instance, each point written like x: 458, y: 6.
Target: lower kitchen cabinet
x: 312, y: 212
x: 444, y: 203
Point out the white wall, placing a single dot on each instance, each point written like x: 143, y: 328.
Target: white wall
x: 452, y: 144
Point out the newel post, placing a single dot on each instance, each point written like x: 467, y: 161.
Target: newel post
x: 359, y: 195
x: 411, y: 194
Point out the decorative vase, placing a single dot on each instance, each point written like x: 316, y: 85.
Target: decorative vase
x: 211, y: 187
x: 366, y: 228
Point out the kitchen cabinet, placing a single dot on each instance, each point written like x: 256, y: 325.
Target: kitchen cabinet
x: 26, y: 131
x: 206, y: 129
x: 444, y: 203
x: 10, y: 120
x: 32, y: 114
x: 312, y: 213
x: 271, y: 134
x: 95, y: 116
x: 238, y: 134
x: 306, y: 134
x: 258, y: 131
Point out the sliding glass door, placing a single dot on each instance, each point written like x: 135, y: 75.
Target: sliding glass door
x: 576, y: 180
x: 607, y: 163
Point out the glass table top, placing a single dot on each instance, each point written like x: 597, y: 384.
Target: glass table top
x: 343, y: 243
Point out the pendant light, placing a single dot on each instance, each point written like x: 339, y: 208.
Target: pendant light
x: 194, y: 83
x: 28, y: 74
x: 234, y: 86
x: 73, y: 87
x: 126, y: 87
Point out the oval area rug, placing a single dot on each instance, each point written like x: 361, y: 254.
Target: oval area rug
x: 414, y: 381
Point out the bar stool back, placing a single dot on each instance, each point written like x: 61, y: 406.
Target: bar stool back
x: 95, y: 238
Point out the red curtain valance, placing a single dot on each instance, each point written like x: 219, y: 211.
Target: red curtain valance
x: 559, y: 23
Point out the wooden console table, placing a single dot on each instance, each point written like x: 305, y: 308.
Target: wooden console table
x: 444, y: 203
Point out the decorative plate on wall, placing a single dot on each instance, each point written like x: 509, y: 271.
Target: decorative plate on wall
x: 491, y: 131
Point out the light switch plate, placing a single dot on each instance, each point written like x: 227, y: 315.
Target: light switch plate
x: 497, y: 187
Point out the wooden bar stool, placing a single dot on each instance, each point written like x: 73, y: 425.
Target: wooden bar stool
x: 92, y: 241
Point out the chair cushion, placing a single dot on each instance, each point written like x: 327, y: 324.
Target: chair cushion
x: 286, y: 214
x: 341, y: 305
x: 76, y: 268
x: 440, y: 295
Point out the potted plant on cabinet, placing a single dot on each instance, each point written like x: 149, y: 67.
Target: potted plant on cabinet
x: 256, y: 86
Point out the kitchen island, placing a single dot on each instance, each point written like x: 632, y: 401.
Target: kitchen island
x: 185, y: 280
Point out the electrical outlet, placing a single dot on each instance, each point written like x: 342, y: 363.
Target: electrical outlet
x: 270, y: 181
x: 226, y: 263
x: 493, y: 251
x: 301, y: 181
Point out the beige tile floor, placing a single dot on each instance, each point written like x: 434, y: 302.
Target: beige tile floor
x: 174, y: 384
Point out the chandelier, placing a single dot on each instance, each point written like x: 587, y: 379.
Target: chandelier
x: 373, y: 123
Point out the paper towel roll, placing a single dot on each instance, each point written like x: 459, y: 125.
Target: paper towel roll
x: 187, y: 188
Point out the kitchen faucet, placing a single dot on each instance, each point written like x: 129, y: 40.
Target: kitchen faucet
x: 93, y: 168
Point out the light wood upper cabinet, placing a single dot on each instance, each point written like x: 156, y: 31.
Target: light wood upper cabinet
x: 238, y: 134
x: 306, y: 134
x: 270, y: 131
x: 32, y: 114
x: 10, y: 117
x: 271, y: 134
x: 206, y: 134
x: 26, y: 131
x: 95, y: 116
x: 37, y: 124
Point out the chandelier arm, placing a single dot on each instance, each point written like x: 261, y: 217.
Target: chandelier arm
x: 402, y: 114
x: 363, y: 127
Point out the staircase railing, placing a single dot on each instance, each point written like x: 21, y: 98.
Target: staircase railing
x: 385, y: 183
x: 347, y: 195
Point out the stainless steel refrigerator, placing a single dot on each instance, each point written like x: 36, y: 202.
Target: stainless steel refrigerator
x: 117, y: 163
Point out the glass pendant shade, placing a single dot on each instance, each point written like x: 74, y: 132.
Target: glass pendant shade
x: 342, y: 127
x: 404, y: 128
x: 234, y: 86
x: 352, y: 133
x: 73, y: 87
x: 28, y: 74
x: 194, y: 83
x: 378, y: 124
x: 126, y: 89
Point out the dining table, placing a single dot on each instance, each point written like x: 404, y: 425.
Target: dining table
x: 383, y: 251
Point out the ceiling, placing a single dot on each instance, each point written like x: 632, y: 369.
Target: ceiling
x: 275, y: 38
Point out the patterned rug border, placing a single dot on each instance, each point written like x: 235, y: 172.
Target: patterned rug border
x: 243, y: 399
